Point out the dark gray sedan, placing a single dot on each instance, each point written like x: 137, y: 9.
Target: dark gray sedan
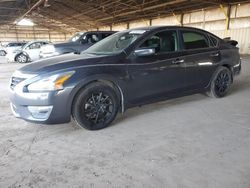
x: 127, y: 69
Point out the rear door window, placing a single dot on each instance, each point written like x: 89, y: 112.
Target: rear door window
x: 194, y: 40
x: 35, y: 45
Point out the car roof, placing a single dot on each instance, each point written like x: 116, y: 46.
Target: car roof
x: 14, y: 42
x: 151, y: 28
x: 37, y: 41
x: 155, y: 28
x: 97, y: 32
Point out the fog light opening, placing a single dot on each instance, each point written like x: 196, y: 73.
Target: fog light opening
x: 40, y: 112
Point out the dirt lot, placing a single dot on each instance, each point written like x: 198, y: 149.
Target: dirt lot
x: 190, y: 142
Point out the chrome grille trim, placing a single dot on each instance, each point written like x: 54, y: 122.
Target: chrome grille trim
x: 15, y: 81
x: 18, y: 77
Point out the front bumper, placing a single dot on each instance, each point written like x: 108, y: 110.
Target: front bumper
x: 10, y: 57
x: 32, y: 113
x: 237, y: 68
x: 48, y: 107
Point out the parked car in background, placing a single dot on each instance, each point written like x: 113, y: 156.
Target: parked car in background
x: 10, y: 47
x: 29, y: 52
x: 76, y: 44
x: 129, y: 68
x: 2, y: 51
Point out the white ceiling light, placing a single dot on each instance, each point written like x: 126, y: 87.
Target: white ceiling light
x: 25, y: 22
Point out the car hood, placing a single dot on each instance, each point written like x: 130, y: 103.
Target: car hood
x: 64, y: 44
x: 67, y: 61
x: 18, y: 50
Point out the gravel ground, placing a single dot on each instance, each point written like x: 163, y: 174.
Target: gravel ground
x: 189, y: 142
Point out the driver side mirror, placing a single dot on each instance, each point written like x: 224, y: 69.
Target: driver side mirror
x: 145, y: 52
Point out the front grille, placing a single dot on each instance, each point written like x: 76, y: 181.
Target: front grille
x: 15, y: 81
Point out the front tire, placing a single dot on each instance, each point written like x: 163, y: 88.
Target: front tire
x: 95, y: 106
x: 221, y: 82
x: 22, y: 58
x: 2, y: 53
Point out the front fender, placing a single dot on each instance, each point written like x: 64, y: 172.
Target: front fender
x: 108, y: 79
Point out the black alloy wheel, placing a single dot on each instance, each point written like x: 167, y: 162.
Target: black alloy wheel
x: 95, y: 107
x: 221, y: 82
x: 98, y: 107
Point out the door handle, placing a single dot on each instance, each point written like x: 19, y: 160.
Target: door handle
x: 178, y: 61
x: 216, y: 54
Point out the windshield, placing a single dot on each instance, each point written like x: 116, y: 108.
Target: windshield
x: 75, y: 37
x: 115, y: 43
x: 25, y: 45
x: 12, y: 45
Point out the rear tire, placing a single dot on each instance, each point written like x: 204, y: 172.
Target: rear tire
x: 95, y: 106
x: 220, y: 83
x: 21, y: 58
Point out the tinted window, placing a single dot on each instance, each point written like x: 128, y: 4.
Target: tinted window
x: 165, y: 41
x: 90, y: 38
x: 193, y: 40
x: 36, y: 45
x: 75, y: 37
x: 104, y: 35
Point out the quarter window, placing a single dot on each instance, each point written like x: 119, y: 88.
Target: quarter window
x: 214, y: 41
x: 194, y: 40
x: 165, y: 41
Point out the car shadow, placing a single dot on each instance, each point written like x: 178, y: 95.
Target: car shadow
x: 150, y: 108
x: 237, y: 87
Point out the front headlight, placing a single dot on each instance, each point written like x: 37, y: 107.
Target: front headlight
x: 51, y: 83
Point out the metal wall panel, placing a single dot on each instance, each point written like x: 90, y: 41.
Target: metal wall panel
x: 172, y: 20
x: 31, y: 33
x: 141, y: 23
x: 119, y: 27
x: 241, y: 35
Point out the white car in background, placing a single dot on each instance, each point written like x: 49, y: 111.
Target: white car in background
x: 29, y: 52
x: 10, y: 47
